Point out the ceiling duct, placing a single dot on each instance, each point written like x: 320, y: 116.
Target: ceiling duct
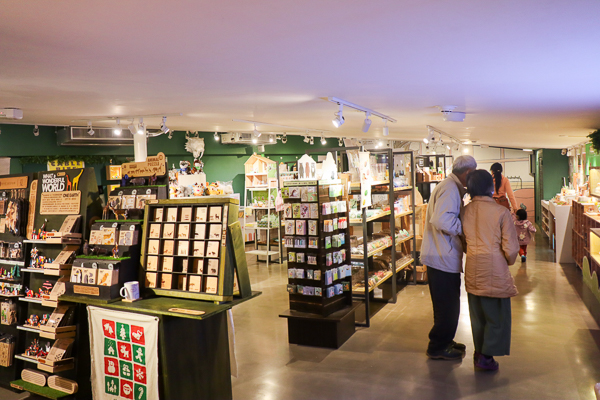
x: 246, y: 138
x: 78, y: 136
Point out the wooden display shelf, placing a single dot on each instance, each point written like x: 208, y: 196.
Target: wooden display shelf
x: 371, y: 218
x: 11, y: 295
x: 43, y: 391
x: 406, y: 239
x: 59, y: 333
x: 23, y: 357
x: 31, y: 299
x: 57, y: 240
x: 358, y: 290
x: 56, y: 366
x: 48, y: 271
x: 372, y: 252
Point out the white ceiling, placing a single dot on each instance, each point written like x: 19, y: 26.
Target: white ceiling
x: 527, y: 71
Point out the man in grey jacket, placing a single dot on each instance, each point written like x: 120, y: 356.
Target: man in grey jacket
x: 442, y: 253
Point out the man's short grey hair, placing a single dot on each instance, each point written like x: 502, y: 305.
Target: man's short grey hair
x: 463, y: 163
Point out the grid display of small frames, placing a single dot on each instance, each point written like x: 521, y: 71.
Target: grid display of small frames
x: 184, y: 249
x: 318, y: 246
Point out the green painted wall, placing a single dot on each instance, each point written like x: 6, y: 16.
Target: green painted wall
x: 556, y: 167
x: 221, y: 162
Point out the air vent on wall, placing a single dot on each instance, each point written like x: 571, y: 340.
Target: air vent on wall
x: 78, y: 136
x: 245, y: 138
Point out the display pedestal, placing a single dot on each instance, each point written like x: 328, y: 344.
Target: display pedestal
x: 315, y: 330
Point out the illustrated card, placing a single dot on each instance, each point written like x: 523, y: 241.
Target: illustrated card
x: 289, y: 227
x: 153, y: 246
x: 152, y: 263
x: 106, y: 277
x: 182, y: 282
x: 213, y: 267
x: 184, y: 265
x: 311, y: 193
x: 200, y: 231
x: 291, y: 256
x: 168, y: 247
x: 304, y: 210
x: 312, y: 227
x: 300, y: 227
x: 195, y: 283
x: 311, y: 259
x: 212, y: 250
x: 198, y: 249
x: 300, y: 257
x: 158, y: 215
x: 167, y: 264
x: 313, y: 243
x: 287, y: 210
x: 169, y: 231
x: 314, y: 210
x: 183, y: 231
x: 294, y: 193
x: 172, y: 214
x: 198, y: 266
x: 95, y: 237
x: 166, y: 281
x: 215, y: 231
x: 183, y: 248
x: 128, y: 201
x: 303, y: 194
x: 128, y: 238
x: 211, y: 284
x: 296, y: 210
x: 215, y: 214
x: 186, y: 214
x: 151, y: 279
x: 201, y: 213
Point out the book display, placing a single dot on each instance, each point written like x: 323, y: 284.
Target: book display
x: 318, y: 249
x: 262, y: 184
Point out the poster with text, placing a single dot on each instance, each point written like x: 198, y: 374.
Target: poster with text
x: 124, y: 353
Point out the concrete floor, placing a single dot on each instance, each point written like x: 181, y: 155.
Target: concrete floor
x: 555, y: 346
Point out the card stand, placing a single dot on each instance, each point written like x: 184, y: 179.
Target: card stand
x: 108, y: 278
x: 56, y: 366
x: 307, y: 207
x: 133, y: 199
x: 179, y: 259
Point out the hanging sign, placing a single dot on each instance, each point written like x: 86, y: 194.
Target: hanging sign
x: 15, y: 182
x: 153, y: 165
x: 55, y: 165
x: 124, y: 353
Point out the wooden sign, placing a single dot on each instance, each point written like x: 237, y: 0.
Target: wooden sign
x: 153, y: 165
x: 55, y: 165
x: 15, y: 182
x: 60, y: 203
x: 186, y: 311
x: 32, y: 201
x: 89, y: 290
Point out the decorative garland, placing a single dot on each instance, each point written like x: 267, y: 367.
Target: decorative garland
x: 85, y: 159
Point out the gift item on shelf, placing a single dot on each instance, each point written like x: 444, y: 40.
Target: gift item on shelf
x: 7, y: 349
x: 8, y: 312
x: 10, y: 289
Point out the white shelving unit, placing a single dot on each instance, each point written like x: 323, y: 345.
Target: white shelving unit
x: 261, y: 176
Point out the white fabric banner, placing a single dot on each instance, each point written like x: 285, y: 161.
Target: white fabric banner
x: 124, y: 352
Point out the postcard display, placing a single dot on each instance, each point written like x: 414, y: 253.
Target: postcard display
x: 184, y: 250
x: 65, y: 202
x: 14, y: 220
x: 318, y: 246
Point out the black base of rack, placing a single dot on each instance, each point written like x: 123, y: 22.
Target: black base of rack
x: 309, y: 329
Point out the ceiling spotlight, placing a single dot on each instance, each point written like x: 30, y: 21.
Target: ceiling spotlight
x: 425, y: 140
x: 217, y: 136
x: 306, y: 139
x: 117, y: 130
x: 339, y: 117
x: 386, y: 130
x: 256, y: 132
x: 340, y: 142
x: 448, y: 146
x: 90, y: 130
x: 271, y: 140
x: 132, y: 128
x: 163, y: 126
x: 323, y: 141
x: 36, y: 131
x: 254, y: 140
x: 140, y: 129
x: 312, y: 140
x: 367, y: 123
x: 284, y: 138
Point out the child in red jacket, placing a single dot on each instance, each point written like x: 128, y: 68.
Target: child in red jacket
x: 525, y: 229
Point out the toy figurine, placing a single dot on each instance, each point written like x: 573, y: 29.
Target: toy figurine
x: 152, y: 180
x: 46, y: 288
x: 184, y: 167
x: 198, y: 190
x: 115, y: 251
x: 125, y: 180
x: 137, y: 182
x: 33, y: 320
x: 33, y: 349
x: 44, y: 319
x: 105, y: 211
x: 86, y: 248
x: 198, y: 166
x: 29, y: 292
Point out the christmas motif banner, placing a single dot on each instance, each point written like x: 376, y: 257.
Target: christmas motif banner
x: 124, y: 351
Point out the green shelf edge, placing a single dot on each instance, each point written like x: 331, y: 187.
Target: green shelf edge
x: 44, y: 391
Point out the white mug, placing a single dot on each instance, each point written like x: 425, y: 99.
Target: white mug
x: 132, y: 290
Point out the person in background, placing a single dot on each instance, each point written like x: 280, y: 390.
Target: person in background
x: 502, y: 188
x: 492, y: 246
x: 525, y: 229
x: 442, y: 253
